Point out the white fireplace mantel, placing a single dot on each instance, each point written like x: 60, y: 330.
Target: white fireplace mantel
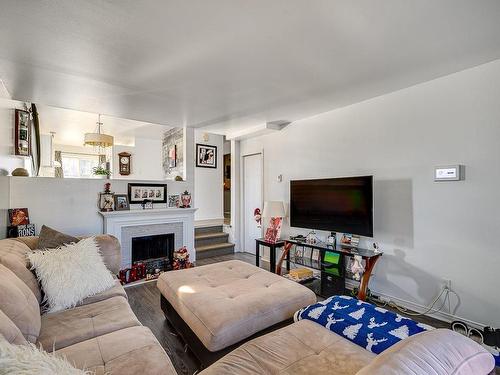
x: 116, y: 221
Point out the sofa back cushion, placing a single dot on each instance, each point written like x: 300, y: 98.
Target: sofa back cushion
x: 13, y: 255
x: 50, y: 238
x: 10, y: 331
x: 19, y: 304
x: 438, y: 352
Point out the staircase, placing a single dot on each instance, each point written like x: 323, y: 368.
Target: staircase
x: 211, y: 242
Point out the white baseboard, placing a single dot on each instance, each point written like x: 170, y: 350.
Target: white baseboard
x: 440, y: 315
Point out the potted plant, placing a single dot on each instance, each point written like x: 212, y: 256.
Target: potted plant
x: 101, y: 172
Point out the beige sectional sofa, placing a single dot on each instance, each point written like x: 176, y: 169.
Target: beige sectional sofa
x: 308, y: 348
x: 101, y: 334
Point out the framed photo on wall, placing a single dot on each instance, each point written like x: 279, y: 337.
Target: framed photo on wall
x: 206, y: 156
x: 157, y: 193
x: 22, y: 130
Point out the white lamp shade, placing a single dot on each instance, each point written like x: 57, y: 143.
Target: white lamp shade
x: 273, y: 209
x: 98, y: 139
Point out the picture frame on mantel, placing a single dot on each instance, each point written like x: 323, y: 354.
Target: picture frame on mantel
x: 137, y: 193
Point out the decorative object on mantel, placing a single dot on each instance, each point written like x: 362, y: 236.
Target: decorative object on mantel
x: 275, y: 210
x: 174, y: 200
x: 181, y: 259
x: 178, y: 178
x: 124, y: 159
x: 186, y: 199
x: 147, y: 204
x: 22, y: 129
x: 206, y: 156
x: 137, y: 193
x: 121, y: 202
x: 106, y: 199
x: 20, y: 172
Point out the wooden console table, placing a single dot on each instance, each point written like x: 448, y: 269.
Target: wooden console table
x: 369, y: 256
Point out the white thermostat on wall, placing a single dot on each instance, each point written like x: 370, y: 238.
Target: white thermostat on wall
x: 449, y: 173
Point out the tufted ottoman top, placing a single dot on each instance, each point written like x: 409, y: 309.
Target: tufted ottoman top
x: 224, y: 303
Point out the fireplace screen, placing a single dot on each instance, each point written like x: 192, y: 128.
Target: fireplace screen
x: 149, y: 248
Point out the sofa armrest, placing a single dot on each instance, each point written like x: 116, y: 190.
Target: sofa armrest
x: 30, y: 241
x: 110, y: 251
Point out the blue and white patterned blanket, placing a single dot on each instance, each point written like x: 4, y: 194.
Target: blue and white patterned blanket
x: 366, y: 325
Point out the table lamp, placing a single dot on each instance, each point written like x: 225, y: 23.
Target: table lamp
x: 275, y: 210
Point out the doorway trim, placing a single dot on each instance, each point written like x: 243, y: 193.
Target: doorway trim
x: 242, y: 193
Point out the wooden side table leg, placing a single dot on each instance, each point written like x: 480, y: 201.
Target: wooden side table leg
x: 365, y: 279
x: 284, y: 254
x: 272, y: 260
x: 257, y: 254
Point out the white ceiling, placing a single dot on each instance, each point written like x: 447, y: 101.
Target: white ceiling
x: 230, y: 64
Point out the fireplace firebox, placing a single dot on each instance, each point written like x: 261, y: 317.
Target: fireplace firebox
x: 155, y: 251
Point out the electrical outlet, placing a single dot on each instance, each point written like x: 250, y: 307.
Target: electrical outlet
x: 447, y: 283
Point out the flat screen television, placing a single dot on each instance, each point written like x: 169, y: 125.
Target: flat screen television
x: 334, y: 204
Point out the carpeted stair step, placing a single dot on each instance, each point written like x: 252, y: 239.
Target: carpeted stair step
x: 205, y: 239
x: 214, y: 250
x: 208, y: 229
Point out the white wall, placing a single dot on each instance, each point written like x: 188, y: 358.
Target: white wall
x: 427, y: 230
x: 70, y: 205
x: 208, y: 182
x: 146, y: 160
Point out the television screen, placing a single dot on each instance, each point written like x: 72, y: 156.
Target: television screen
x: 335, y: 204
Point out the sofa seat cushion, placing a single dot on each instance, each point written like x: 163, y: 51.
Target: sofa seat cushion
x: 19, y: 304
x: 224, y: 303
x: 115, y: 291
x: 128, y: 351
x: 304, y: 348
x: 81, y: 323
x: 13, y: 255
x: 438, y: 352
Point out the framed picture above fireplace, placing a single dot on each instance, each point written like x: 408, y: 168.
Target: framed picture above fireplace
x: 157, y: 193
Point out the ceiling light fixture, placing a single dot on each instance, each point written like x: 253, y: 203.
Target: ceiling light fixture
x: 98, y: 139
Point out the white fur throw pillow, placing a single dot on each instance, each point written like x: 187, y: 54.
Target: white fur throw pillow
x: 28, y: 360
x: 70, y: 273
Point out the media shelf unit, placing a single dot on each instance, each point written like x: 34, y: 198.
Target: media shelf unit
x: 332, y: 273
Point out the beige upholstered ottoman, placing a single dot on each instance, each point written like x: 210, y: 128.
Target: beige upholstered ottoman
x: 225, y: 303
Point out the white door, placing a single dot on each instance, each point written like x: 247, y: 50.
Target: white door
x: 252, y: 198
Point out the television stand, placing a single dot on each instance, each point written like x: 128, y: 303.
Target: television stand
x: 369, y: 256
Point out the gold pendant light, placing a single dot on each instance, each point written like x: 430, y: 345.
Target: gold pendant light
x: 98, y: 139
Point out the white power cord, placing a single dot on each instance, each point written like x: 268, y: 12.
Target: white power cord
x: 430, y: 309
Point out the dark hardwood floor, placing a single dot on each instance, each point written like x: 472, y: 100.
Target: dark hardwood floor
x: 145, y: 302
